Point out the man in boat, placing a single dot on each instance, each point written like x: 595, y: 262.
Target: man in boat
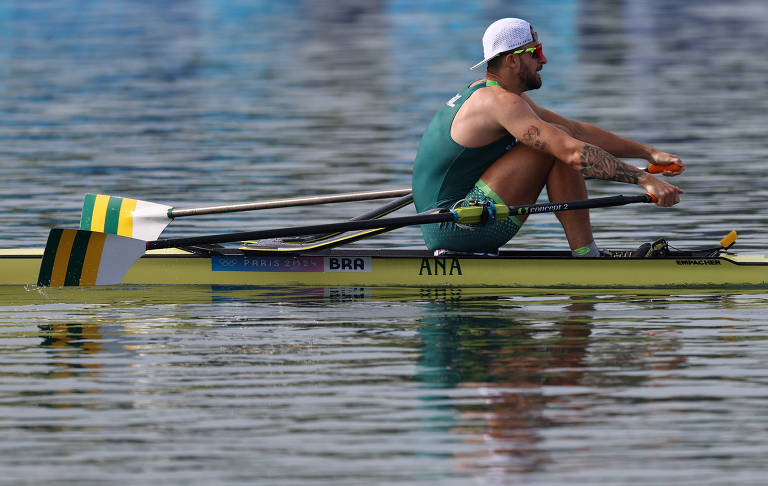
x: 492, y: 142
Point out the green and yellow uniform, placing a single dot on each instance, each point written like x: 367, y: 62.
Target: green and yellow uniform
x: 445, y: 172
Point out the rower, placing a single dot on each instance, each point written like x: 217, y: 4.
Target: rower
x: 492, y: 142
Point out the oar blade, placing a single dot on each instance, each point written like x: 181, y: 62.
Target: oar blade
x: 132, y: 218
x: 81, y: 258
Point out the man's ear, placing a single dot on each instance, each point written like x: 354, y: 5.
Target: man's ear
x: 511, y: 60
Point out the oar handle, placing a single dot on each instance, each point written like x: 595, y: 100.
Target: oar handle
x: 658, y: 169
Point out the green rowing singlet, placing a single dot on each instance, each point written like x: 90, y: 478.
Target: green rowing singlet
x: 445, y: 171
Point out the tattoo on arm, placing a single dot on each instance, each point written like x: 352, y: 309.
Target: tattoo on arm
x: 531, y: 138
x: 599, y: 164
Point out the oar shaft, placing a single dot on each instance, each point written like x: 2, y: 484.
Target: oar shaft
x: 436, y: 216
x: 379, y: 212
x: 304, y: 230
x: 598, y: 202
x: 284, y: 203
x: 390, y: 207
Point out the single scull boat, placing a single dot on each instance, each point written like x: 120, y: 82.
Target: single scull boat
x: 712, y: 269
x: 106, y: 250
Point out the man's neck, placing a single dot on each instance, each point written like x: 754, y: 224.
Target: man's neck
x: 504, y: 82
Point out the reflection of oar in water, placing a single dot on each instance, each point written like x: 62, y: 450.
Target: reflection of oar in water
x: 82, y: 257
x: 147, y: 220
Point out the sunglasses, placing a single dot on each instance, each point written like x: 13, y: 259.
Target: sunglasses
x: 536, y: 52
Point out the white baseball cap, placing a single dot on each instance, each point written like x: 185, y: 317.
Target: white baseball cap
x: 505, y: 35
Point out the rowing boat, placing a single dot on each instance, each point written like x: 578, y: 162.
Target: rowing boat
x: 106, y: 251
x: 418, y: 268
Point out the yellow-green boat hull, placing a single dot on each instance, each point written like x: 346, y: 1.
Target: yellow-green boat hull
x: 411, y: 268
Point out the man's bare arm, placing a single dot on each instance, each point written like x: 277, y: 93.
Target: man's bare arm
x: 591, y: 161
x: 518, y: 118
x: 610, y: 142
x: 592, y: 134
x: 599, y: 164
x: 594, y: 162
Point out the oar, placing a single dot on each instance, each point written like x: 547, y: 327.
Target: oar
x: 306, y: 243
x: 376, y: 213
x: 465, y: 215
x: 146, y: 220
x: 82, y: 257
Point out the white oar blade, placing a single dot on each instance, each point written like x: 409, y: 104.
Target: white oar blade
x: 80, y: 258
x: 125, y: 217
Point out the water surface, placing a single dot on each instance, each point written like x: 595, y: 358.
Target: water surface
x: 213, y: 102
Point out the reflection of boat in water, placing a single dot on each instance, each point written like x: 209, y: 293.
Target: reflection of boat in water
x: 510, y: 383
x: 497, y: 367
x: 146, y: 295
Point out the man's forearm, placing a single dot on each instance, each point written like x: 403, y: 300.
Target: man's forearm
x: 610, y: 142
x: 597, y: 163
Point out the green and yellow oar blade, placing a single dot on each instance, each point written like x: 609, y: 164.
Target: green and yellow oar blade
x: 144, y: 220
x: 80, y: 257
x: 132, y: 218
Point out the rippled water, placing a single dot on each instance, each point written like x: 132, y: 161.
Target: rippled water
x: 286, y: 387
x: 208, y: 102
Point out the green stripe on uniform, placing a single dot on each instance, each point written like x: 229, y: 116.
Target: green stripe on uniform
x: 491, y: 194
x: 77, y: 258
x: 49, y: 256
x: 112, y: 219
x: 86, y: 218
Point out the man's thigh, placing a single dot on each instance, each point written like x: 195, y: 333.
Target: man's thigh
x: 519, y: 175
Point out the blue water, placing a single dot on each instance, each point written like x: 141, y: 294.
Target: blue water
x: 208, y: 102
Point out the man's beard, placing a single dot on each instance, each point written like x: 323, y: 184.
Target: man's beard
x: 530, y: 79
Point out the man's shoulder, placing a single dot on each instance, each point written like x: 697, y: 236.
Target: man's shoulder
x: 496, y: 98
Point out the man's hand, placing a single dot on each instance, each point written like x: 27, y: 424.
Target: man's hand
x: 666, y: 194
x: 662, y: 158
